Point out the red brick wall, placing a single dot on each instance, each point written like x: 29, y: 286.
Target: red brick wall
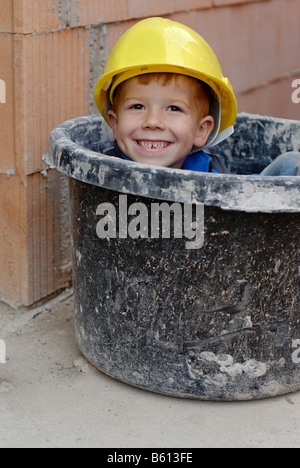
x: 51, y: 54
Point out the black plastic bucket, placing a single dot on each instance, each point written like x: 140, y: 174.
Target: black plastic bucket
x: 215, y: 317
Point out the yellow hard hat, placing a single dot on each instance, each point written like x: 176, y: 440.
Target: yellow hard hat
x: 159, y: 45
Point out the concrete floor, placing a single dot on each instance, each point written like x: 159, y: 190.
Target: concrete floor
x: 50, y: 396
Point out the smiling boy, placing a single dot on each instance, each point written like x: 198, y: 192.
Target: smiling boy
x: 165, y: 97
x: 158, y: 118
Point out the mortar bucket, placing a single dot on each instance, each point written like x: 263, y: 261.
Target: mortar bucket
x: 214, y: 317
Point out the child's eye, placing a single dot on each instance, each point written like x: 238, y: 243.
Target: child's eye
x: 174, y: 108
x: 137, y: 106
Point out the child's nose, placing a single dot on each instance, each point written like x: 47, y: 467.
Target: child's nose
x: 153, y: 120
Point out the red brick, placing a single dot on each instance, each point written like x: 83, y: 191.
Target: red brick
x: 274, y: 99
x: 234, y: 2
x: 35, y: 16
x: 6, y: 16
x: 52, y: 81
x: 7, y: 149
x: 144, y: 8
x: 87, y: 12
x: 11, y: 234
x: 48, y: 237
x: 179, y: 5
x: 35, y: 243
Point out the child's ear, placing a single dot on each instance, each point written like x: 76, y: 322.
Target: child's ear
x: 205, y: 126
x: 113, y: 120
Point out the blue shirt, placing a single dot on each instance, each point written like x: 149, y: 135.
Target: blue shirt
x: 198, y: 161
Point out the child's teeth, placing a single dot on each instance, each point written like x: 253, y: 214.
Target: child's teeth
x: 148, y: 145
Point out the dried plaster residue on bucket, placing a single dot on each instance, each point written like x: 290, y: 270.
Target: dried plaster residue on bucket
x: 248, y: 151
x: 216, y: 322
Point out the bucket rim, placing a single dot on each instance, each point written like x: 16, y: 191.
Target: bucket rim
x: 262, y: 194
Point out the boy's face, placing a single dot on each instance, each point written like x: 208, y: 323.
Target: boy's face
x: 158, y: 123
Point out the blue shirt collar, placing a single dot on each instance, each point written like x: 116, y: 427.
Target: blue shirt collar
x: 198, y: 161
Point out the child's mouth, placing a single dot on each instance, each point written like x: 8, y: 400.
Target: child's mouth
x: 153, y: 145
